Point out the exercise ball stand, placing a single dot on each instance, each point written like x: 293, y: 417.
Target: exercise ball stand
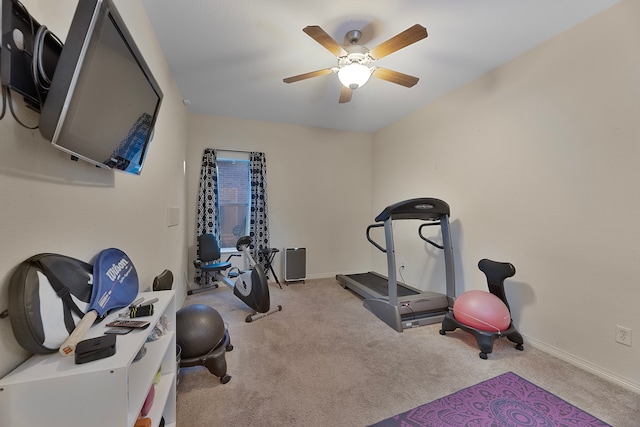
x: 496, y: 273
x: 203, y: 339
x: 214, y: 361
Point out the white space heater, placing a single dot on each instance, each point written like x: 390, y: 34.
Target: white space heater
x: 295, y: 264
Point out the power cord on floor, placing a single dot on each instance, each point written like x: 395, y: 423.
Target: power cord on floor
x: 408, y: 305
x: 405, y: 304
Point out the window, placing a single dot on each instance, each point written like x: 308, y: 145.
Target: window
x: 234, y: 200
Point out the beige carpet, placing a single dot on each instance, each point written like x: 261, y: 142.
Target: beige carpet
x: 327, y: 361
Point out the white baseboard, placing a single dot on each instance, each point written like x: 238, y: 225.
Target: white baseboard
x: 321, y: 276
x: 582, y: 364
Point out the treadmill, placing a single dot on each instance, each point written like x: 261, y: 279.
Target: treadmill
x: 397, y: 304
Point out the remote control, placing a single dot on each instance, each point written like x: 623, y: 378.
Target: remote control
x: 138, y: 324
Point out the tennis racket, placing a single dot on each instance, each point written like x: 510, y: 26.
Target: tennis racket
x: 115, y: 285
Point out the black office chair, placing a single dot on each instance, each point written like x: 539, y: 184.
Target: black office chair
x: 209, y: 261
x: 496, y: 273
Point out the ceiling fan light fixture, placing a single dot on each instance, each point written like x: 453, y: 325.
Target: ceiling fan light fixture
x: 354, y: 60
x: 354, y: 76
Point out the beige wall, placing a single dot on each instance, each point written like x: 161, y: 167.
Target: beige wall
x: 539, y: 162
x: 318, y: 184
x: 51, y: 204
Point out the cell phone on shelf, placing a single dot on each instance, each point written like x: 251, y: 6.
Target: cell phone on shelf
x: 118, y: 331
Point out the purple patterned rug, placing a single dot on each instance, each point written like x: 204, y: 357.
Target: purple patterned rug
x: 506, y: 400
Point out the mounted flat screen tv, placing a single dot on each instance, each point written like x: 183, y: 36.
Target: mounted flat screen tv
x: 103, y: 101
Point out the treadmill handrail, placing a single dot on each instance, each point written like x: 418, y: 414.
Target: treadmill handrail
x: 371, y: 240
x: 426, y: 239
x: 425, y: 208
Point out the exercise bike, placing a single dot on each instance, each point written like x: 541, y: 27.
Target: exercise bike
x: 250, y: 286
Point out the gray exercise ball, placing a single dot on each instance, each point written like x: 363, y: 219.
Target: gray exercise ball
x: 199, y: 329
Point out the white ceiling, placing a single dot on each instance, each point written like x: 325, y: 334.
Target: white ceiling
x: 229, y: 56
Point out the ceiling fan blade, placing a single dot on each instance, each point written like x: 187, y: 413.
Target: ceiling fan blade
x: 397, y: 42
x: 319, y: 35
x: 395, y: 77
x: 345, y: 94
x: 305, y: 76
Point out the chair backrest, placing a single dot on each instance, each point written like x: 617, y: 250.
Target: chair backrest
x: 208, y: 249
x: 163, y: 281
x: 496, y: 273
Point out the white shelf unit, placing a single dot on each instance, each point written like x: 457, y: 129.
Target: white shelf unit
x: 52, y: 390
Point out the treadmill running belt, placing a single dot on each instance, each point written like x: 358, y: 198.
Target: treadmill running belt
x: 380, y: 284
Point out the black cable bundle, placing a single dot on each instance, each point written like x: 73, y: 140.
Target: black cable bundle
x: 41, y: 80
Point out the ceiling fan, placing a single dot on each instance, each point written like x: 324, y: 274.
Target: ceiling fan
x: 354, y: 60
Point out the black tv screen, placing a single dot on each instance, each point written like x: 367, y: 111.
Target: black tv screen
x: 104, y: 100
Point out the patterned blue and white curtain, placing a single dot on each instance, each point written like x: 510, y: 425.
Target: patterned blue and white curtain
x: 259, y: 225
x: 207, y: 215
x: 207, y: 221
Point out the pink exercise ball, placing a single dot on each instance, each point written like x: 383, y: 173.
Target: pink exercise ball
x: 482, y: 310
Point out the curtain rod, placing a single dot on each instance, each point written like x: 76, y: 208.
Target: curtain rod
x: 233, y: 151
